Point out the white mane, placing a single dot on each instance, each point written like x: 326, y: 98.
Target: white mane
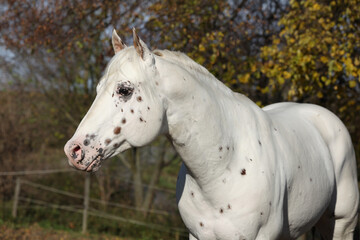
x: 180, y: 58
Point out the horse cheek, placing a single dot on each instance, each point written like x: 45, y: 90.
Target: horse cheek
x: 145, y: 127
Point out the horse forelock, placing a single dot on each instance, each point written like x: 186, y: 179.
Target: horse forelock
x: 116, y: 63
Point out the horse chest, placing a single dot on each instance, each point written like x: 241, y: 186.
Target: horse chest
x: 205, y: 220
x: 223, y: 212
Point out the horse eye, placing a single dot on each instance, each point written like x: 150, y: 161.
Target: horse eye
x: 124, y: 91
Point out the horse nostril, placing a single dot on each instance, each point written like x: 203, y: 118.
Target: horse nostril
x: 77, y: 153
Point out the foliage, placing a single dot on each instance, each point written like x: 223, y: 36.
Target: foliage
x: 61, y: 46
x: 224, y: 36
x: 317, y: 50
x: 316, y: 57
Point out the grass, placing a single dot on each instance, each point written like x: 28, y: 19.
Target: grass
x: 9, y: 231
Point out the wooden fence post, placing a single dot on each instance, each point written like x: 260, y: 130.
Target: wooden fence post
x: 86, y: 202
x: 16, y: 197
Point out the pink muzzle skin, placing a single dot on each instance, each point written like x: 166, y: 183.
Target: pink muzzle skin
x: 85, y: 158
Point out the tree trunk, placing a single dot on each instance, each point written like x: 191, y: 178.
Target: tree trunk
x: 136, y: 170
x: 159, y: 164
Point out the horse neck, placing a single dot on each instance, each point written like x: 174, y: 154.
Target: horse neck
x: 202, y: 115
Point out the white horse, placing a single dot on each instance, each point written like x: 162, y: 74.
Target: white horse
x: 248, y: 173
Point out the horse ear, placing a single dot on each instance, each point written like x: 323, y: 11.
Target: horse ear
x: 117, y: 43
x: 141, y: 48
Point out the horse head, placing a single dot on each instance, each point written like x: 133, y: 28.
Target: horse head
x: 127, y: 112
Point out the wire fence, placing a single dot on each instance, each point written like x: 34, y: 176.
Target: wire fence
x: 87, y: 201
x: 79, y: 196
x: 86, y: 209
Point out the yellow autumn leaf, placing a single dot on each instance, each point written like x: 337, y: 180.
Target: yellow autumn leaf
x: 338, y: 67
x: 327, y: 82
x: 349, y: 65
x: 343, y: 108
x: 351, y: 102
x: 316, y: 7
x: 201, y: 48
x: 287, y: 75
x: 280, y: 80
x: 265, y: 90
x: 276, y: 41
x: 319, y: 94
x: 356, y: 61
x: 253, y: 68
x: 352, y: 83
x: 244, y: 78
x: 324, y: 59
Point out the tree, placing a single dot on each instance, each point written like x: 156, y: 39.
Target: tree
x: 316, y: 58
x: 224, y: 36
x: 162, y: 155
x: 59, y: 49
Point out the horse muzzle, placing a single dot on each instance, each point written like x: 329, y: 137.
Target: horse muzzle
x: 85, y: 158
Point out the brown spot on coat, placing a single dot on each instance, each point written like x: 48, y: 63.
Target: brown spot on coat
x: 201, y: 224
x: 139, y: 98
x: 221, y: 210
x: 117, y: 130
x: 243, y: 171
x: 132, y: 110
x: 220, y: 148
x: 107, y: 141
x: 229, y: 206
x: 141, y: 120
x: 123, y: 121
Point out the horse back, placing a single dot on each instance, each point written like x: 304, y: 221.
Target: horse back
x: 331, y: 129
